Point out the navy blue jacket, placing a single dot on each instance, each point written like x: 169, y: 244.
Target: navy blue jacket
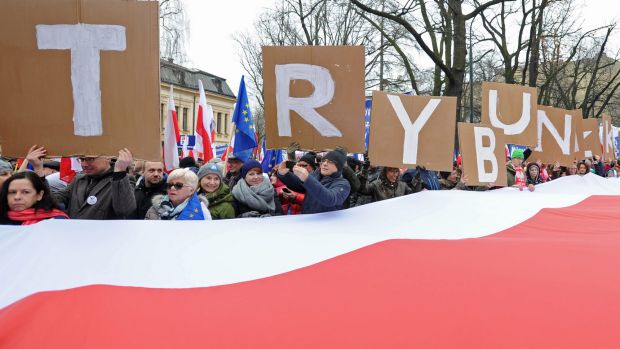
x: 323, y: 193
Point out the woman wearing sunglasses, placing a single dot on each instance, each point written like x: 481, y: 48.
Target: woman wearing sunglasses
x: 181, y: 202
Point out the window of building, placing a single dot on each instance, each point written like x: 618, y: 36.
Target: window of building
x: 226, y: 124
x: 185, y: 124
x: 219, y: 123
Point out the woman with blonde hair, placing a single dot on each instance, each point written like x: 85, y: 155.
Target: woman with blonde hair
x: 181, y: 201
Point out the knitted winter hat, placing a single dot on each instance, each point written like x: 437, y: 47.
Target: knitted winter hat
x: 209, y: 169
x: 309, y: 158
x: 249, y: 165
x: 5, y: 167
x: 337, y: 158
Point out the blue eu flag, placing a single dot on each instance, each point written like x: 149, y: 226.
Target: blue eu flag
x: 245, y: 136
x: 272, y: 158
x: 193, y: 210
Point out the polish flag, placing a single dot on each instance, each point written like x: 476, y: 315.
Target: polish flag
x: 230, y: 148
x: 509, y: 269
x: 69, y: 167
x: 172, y: 136
x: 185, y: 151
x: 205, y: 130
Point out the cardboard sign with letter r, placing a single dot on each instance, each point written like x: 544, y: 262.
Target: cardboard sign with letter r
x: 314, y: 95
x: 409, y: 131
x: 80, y: 77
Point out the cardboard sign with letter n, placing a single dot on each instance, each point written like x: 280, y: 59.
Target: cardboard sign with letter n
x: 557, y: 136
x: 314, y: 95
x: 406, y: 131
x: 483, y: 154
x: 80, y: 77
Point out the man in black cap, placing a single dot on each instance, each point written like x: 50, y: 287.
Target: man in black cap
x: 325, y: 189
x: 234, y: 171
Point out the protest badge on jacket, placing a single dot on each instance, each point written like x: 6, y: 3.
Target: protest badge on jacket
x: 314, y: 95
x: 409, y: 131
x: 556, y: 136
x: 483, y: 154
x: 590, y: 144
x: 511, y: 108
x: 80, y: 77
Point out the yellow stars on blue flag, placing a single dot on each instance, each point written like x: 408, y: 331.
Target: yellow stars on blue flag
x: 245, y: 137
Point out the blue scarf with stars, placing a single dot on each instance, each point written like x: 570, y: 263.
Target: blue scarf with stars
x: 192, y: 210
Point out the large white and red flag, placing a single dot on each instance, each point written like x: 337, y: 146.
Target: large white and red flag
x: 69, y: 167
x: 508, y: 269
x: 205, y: 130
x: 172, y: 136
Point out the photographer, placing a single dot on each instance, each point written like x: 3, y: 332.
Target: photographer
x: 325, y: 189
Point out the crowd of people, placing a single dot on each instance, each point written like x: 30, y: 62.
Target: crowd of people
x: 124, y: 188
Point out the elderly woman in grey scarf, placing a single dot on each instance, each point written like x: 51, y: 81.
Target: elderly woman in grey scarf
x: 181, y: 202
x: 254, y: 196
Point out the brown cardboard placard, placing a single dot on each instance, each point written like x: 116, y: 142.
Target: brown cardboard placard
x: 483, y: 154
x: 36, y: 77
x: 609, y: 153
x: 556, y: 136
x: 338, y: 73
x: 511, y: 108
x: 590, y: 144
x: 433, y: 117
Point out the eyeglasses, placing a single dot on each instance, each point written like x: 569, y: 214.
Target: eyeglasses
x: 88, y: 158
x: 177, y: 186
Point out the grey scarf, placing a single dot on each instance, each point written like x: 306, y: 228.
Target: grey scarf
x: 258, y: 197
x: 167, y: 211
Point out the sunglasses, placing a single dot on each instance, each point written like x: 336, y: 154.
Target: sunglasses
x: 177, y: 186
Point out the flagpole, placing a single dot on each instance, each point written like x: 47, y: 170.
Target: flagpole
x: 234, y: 129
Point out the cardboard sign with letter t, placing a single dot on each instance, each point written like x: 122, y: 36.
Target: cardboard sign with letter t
x: 314, y: 95
x: 80, y: 77
x: 406, y: 131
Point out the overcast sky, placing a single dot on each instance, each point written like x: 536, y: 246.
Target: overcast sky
x: 212, y: 24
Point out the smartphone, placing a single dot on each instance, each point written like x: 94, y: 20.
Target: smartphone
x: 290, y: 164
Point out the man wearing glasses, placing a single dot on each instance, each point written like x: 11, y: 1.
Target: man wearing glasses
x: 102, y: 191
x: 325, y: 189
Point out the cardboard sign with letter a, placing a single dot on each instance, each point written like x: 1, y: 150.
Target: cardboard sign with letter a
x: 556, y: 136
x: 80, y: 77
x: 609, y: 153
x: 590, y: 144
x: 511, y: 108
x: 314, y: 95
x: 483, y: 153
x: 406, y: 131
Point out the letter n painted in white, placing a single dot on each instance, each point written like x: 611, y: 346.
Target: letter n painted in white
x: 563, y: 142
